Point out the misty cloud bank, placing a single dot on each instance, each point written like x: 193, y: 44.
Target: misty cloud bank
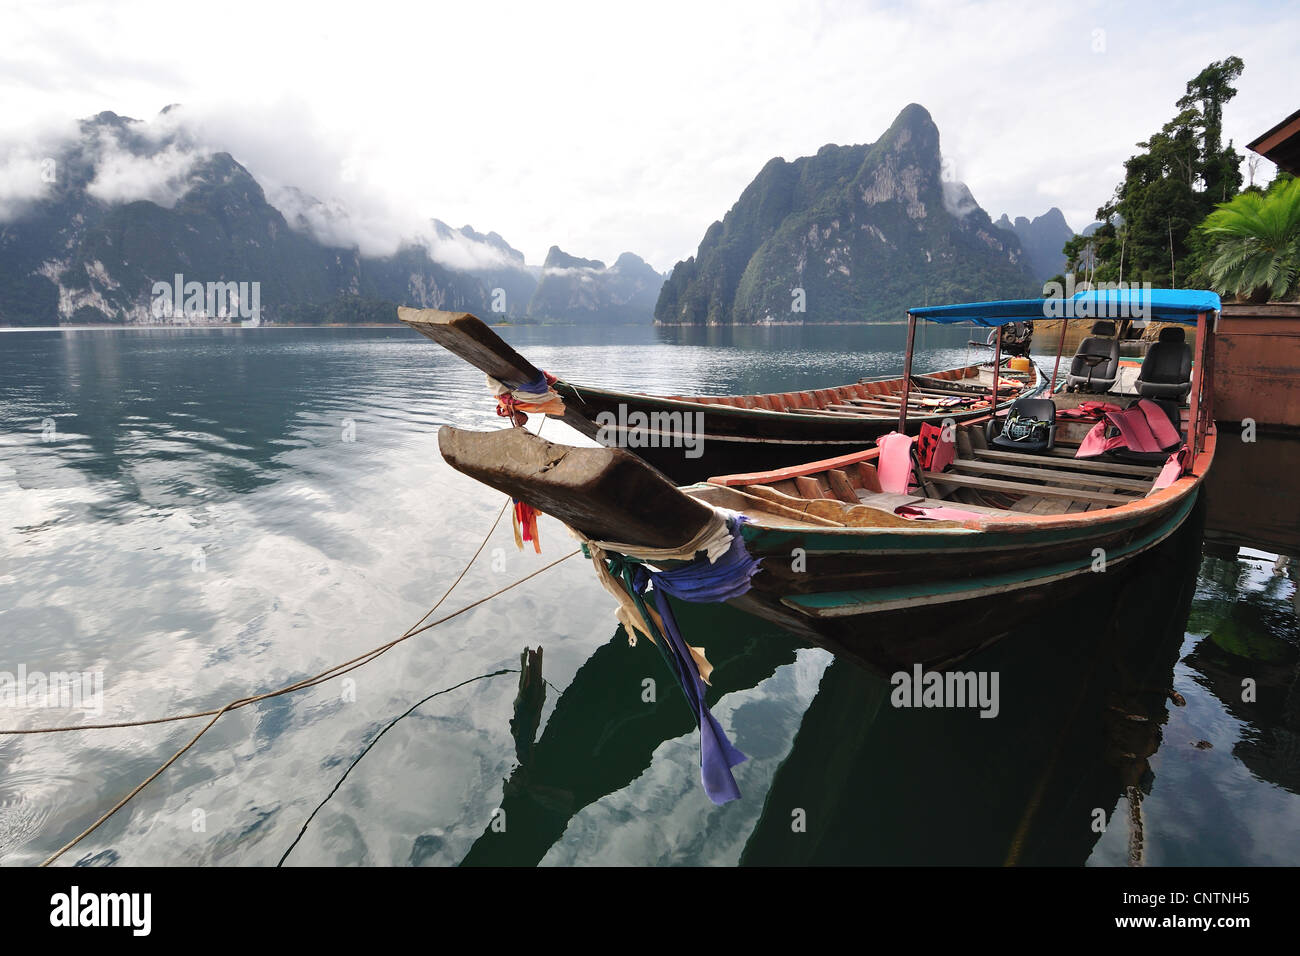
x: 311, y: 179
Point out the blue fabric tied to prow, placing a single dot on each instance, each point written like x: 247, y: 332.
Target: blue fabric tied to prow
x: 700, y: 582
x: 538, y: 387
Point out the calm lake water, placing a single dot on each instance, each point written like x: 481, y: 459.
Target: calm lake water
x: 199, y: 515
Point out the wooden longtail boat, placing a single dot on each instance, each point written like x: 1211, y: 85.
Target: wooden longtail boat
x: 832, y: 545
x: 690, y: 437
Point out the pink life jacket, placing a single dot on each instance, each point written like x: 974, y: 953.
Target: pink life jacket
x: 894, y: 466
x: 1174, y: 467
x: 935, y: 453
x: 1143, y: 427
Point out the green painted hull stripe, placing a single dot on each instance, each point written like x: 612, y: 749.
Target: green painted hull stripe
x: 934, y: 589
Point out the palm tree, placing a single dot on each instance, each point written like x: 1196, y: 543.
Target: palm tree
x: 1255, y: 243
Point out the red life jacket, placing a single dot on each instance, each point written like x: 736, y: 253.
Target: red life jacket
x: 935, y: 453
x: 1088, y: 411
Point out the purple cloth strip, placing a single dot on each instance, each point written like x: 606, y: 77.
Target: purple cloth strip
x: 717, y: 754
x: 702, y: 582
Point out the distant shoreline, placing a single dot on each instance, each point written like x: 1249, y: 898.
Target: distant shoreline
x: 114, y: 326
x: 770, y: 325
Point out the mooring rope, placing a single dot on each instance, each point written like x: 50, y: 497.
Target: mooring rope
x: 333, y: 672
x: 337, y: 670
x: 393, y: 723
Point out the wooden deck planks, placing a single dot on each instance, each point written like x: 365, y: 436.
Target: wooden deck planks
x: 1074, y: 464
x: 1024, y: 488
x: 1058, y: 477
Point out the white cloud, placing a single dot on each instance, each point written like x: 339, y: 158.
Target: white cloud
x: 602, y: 130
x: 583, y: 271
x: 957, y: 199
x: 269, y: 145
x: 460, y: 252
x: 23, y: 180
x: 122, y: 176
x: 28, y: 168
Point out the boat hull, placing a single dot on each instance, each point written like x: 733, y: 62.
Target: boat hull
x: 697, y: 440
x: 876, y: 588
x: 935, y: 603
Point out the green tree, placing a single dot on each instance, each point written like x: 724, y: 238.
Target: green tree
x: 1148, y: 226
x: 1206, y: 94
x: 1254, y: 242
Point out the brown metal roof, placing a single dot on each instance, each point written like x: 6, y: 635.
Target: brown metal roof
x: 1281, y: 144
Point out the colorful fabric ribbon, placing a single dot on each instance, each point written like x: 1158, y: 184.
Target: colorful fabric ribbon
x: 536, y: 397
x: 706, y: 580
x: 525, y: 518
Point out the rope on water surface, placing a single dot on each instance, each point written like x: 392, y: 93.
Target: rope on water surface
x: 337, y: 670
x: 393, y: 723
x: 334, y: 672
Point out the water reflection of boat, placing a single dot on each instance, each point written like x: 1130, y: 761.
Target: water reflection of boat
x: 1250, y: 635
x: 1078, y: 716
x: 1246, y: 508
x: 602, y: 733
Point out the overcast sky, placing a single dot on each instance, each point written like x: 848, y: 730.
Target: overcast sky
x: 607, y: 127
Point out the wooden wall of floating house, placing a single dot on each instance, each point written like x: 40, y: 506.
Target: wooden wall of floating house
x: 1257, y: 364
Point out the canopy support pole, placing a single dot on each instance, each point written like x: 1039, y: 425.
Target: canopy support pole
x: 997, y: 371
x: 1207, y: 392
x: 1060, y: 347
x: 907, y: 373
x: 1196, y: 409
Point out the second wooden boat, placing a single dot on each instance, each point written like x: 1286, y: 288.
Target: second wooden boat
x: 690, y: 437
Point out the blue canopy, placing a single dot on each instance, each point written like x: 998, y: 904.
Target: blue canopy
x: 1162, y: 305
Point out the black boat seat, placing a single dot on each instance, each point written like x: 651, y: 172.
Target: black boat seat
x: 1096, y: 363
x: 1167, y: 368
x: 1030, y: 427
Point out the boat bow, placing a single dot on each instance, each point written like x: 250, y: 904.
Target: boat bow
x: 470, y: 338
x: 605, y: 494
